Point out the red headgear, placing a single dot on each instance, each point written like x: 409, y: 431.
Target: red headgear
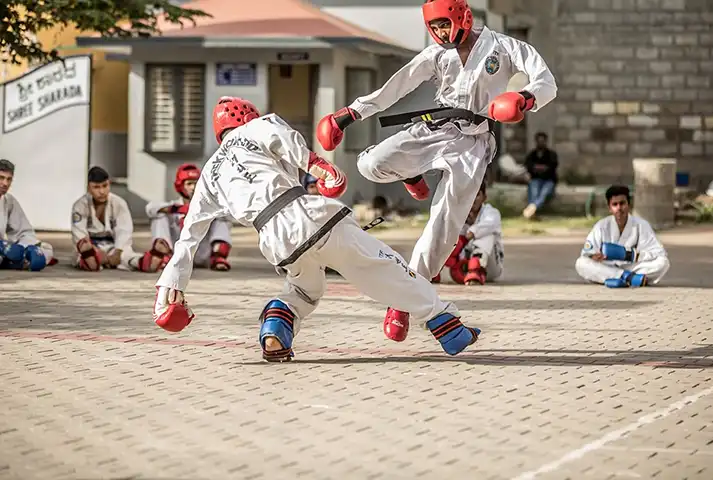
x: 232, y: 112
x: 457, y: 11
x: 187, y: 171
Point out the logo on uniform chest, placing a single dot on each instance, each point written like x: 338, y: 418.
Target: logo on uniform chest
x: 492, y: 63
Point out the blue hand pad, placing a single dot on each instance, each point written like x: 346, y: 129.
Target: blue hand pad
x: 613, y: 251
x: 36, y: 258
x: 278, y: 321
x: 451, y: 333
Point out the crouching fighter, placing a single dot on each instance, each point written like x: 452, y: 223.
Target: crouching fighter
x: 254, y: 176
x: 19, y: 247
x: 167, y: 221
x: 479, y: 253
x: 622, y: 250
x: 102, y: 230
x: 472, y: 67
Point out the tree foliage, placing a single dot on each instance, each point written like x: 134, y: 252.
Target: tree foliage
x: 23, y: 19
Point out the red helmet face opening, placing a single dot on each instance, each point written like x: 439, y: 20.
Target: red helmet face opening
x: 232, y: 112
x: 187, y: 171
x: 457, y: 12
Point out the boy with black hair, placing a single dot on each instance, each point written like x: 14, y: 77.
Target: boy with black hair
x: 20, y: 249
x: 102, y: 230
x: 622, y: 250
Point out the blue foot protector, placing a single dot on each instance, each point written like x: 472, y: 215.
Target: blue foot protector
x: 451, y: 333
x: 278, y: 323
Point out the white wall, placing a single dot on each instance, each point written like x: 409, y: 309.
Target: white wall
x: 51, y: 154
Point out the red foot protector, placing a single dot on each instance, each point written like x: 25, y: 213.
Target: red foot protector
x: 396, y: 325
x: 172, y: 317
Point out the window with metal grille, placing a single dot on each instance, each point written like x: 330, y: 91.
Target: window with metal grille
x: 361, y: 134
x: 174, y: 108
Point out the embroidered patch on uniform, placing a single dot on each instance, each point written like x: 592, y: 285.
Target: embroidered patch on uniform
x: 492, y: 64
x: 76, y: 217
x: 588, y: 245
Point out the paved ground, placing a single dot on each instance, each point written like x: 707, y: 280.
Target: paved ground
x: 569, y: 381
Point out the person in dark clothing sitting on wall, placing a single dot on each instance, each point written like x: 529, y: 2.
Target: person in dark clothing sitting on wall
x: 541, y: 164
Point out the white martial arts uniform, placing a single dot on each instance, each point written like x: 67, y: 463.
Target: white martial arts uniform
x: 16, y: 228
x: 255, y: 164
x: 462, y: 152
x: 167, y: 227
x: 638, y: 234
x: 115, y: 230
x: 487, y: 241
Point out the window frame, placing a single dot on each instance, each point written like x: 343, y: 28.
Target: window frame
x: 178, y: 121
x: 371, y: 122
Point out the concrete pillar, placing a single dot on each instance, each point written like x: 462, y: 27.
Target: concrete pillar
x: 654, y: 185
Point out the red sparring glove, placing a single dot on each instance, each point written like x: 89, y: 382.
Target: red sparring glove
x: 331, y: 181
x: 330, y: 130
x: 171, y: 312
x: 510, y: 107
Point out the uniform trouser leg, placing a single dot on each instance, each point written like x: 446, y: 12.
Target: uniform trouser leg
x: 48, y: 250
x: 381, y: 273
x: 463, y: 159
x: 486, y: 249
x: 161, y: 228
x: 219, y: 231
x: 653, y: 269
x: 599, y: 272
x: 304, y: 285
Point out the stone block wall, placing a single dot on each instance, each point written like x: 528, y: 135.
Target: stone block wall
x: 635, y: 79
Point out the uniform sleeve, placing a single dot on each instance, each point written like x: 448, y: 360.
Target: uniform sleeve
x: 124, y: 230
x: 80, y: 215
x: 287, y: 143
x: 528, y: 61
x: 489, y: 223
x: 152, y: 208
x: 649, y: 246
x: 202, y: 210
x: 421, y: 68
x: 19, y: 228
x: 593, y: 243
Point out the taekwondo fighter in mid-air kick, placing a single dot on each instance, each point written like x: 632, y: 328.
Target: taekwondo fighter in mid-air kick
x: 254, y: 176
x: 471, y: 66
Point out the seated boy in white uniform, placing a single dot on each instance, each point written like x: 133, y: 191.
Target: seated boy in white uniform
x: 102, y: 230
x: 479, y: 253
x: 19, y: 247
x: 622, y: 249
x: 167, y: 221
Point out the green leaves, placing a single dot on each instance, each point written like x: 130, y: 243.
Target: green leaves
x: 22, y: 19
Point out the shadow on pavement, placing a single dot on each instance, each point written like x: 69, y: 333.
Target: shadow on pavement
x: 696, y: 358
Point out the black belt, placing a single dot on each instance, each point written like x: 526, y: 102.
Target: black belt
x: 323, y: 230
x: 278, y: 204
x: 429, y: 116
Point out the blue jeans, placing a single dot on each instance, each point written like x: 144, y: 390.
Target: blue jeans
x: 539, y: 191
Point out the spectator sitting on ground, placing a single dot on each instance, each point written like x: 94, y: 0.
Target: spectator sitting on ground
x: 541, y: 164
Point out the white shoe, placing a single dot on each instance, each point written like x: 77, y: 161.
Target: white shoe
x: 529, y: 210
